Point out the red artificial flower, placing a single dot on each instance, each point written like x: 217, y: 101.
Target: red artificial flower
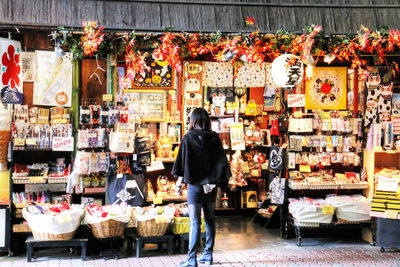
x: 250, y: 21
x: 13, y: 67
x: 326, y: 88
x: 92, y: 38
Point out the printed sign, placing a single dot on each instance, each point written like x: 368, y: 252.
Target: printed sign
x: 295, y: 101
x: 10, y: 72
x: 193, y: 91
x: 63, y: 143
x: 388, y: 184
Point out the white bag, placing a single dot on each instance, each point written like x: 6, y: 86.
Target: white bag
x: 351, y: 208
x: 121, y: 142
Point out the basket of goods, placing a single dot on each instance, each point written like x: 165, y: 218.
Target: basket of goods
x: 152, y: 221
x: 307, y: 211
x: 53, y: 221
x: 354, y: 208
x: 180, y: 222
x: 107, y: 221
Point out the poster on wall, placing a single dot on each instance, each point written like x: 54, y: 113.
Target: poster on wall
x: 159, y: 76
x: 28, y: 66
x: 327, y: 89
x: 53, y: 85
x: 10, y: 72
x: 192, y: 88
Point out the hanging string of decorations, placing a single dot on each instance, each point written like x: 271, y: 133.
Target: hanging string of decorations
x: 239, y: 48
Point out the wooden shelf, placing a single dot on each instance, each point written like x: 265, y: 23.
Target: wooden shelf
x: 171, y: 198
x: 224, y: 208
x: 221, y: 116
x: 94, y: 190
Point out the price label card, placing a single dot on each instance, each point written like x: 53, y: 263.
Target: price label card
x: 305, y: 168
x: 157, y: 200
x: 298, y: 114
x: 31, y: 142
x: 388, y: 184
x: 391, y: 214
x: 36, y: 179
x: 328, y: 210
x: 19, y: 142
x: 107, y: 97
x: 120, y: 175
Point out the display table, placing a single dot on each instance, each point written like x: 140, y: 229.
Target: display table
x: 159, y: 240
x: 31, y: 243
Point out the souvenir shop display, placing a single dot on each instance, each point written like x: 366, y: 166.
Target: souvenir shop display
x: 152, y: 221
x: 53, y: 221
x: 181, y: 221
x: 107, y: 221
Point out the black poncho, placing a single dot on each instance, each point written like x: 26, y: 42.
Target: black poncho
x: 201, y: 159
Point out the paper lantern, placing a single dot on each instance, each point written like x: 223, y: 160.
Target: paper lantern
x: 287, y: 73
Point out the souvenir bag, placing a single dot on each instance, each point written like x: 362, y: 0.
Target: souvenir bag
x: 275, y: 128
x: 276, y: 160
x: 121, y: 142
x: 282, y: 123
x: 277, y: 189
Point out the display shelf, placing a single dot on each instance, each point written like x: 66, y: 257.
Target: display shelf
x: 94, y: 190
x: 302, y: 186
x: 21, y: 228
x: 221, y: 116
x: 169, y: 198
x: 166, y: 160
x: 224, y: 208
x: 29, y: 180
x: 381, y: 215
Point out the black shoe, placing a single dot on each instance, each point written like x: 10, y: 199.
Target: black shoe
x: 206, y: 258
x: 192, y: 262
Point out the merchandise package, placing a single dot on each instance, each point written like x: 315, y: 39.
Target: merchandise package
x: 307, y: 210
x: 161, y: 214
x: 350, y: 208
x: 53, y: 218
x: 97, y: 214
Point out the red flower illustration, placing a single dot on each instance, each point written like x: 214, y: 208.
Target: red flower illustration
x: 250, y: 21
x: 12, y: 63
x: 326, y: 88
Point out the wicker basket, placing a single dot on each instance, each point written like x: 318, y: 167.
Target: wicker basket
x: 151, y: 228
x: 52, y: 237
x: 109, y: 228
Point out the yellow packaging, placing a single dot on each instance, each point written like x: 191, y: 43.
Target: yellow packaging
x: 180, y: 225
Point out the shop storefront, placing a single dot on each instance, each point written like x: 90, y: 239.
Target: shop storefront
x: 91, y: 125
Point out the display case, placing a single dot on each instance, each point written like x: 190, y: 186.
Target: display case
x: 150, y: 104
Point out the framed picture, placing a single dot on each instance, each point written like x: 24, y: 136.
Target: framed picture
x: 174, y: 132
x: 327, y: 88
x: 159, y: 76
x: 150, y: 104
x: 28, y: 66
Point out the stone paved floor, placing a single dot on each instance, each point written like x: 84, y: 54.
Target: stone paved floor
x: 241, y: 243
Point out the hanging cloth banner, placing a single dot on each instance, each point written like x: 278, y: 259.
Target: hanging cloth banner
x: 11, y: 72
x: 192, y: 88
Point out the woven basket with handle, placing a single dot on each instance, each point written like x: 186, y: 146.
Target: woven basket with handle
x: 151, y: 228
x: 52, y: 237
x: 109, y: 228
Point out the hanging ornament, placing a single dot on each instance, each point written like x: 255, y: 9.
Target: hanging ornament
x: 92, y: 38
x: 287, y: 70
x: 328, y: 58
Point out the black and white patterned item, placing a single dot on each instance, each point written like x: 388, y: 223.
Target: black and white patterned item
x: 276, y: 158
x: 371, y: 112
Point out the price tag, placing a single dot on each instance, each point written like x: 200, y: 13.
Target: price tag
x: 19, y: 142
x: 31, y: 142
x: 305, y: 168
x: 120, y: 175
x: 64, y: 218
x: 298, y: 114
x: 36, y: 179
x: 157, y: 200
x: 107, y: 97
x: 391, y: 214
x: 328, y: 210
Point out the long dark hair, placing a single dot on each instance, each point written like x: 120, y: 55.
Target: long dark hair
x: 200, y: 120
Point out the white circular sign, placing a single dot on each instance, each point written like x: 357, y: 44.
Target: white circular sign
x: 287, y: 73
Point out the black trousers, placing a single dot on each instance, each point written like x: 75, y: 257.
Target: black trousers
x: 198, y: 200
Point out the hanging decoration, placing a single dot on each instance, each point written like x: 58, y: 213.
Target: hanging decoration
x: 92, y: 38
x: 11, y: 72
x: 250, y: 47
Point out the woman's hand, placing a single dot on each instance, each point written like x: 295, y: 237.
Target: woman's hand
x: 179, y: 186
